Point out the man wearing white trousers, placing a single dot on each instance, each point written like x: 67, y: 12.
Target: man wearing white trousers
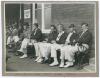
x: 58, y: 43
x: 82, y: 44
x: 13, y: 38
x: 32, y: 38
x: 45, y: 46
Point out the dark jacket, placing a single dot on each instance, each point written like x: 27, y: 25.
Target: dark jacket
x: 86, y: 38
x: 37, y: 36
x: 52, y: 36
x: 25, y: 34
x: 62, y: 39
x: 73, y: 38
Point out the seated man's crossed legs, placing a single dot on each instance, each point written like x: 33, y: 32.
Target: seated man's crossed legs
x: 24, y: 44
x: 43, y: 51
x: 54, y: 48
x: 68, y: 52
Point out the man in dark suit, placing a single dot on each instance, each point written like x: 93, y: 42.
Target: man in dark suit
x: 36, y: 34
x: 81, y: 45
x: 32, y: 39
x: 58, y: 43
x: 44, y: 46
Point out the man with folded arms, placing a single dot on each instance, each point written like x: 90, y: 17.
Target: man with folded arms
x: 81, y: 45
x: 58, y: 43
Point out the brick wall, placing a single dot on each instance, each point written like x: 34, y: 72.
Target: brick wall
x: 74, y: 14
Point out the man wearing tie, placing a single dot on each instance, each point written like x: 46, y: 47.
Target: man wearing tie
x: 82, y: 44
x: 58, y: 43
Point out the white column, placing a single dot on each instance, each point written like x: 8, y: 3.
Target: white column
x: 20, y: 11
x: 33, y: 13
x: 43, y: 20
x: 43, y: 24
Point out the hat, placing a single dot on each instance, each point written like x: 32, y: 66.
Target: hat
x: 86, y: 24
x: 71, y: 26
x: 36, y: 24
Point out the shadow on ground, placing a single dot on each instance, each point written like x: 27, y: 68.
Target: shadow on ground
x: 15, y: 64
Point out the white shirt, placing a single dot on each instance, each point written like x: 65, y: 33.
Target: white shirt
x: 35, y: 31
x: 69, y: 36
x: 59, y: 35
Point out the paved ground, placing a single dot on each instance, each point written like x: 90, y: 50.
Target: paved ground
x: 15, y: 64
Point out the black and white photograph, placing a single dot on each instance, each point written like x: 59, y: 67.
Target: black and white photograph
x: 50, y: 38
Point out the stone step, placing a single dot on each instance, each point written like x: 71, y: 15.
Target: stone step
x: 91, y: 66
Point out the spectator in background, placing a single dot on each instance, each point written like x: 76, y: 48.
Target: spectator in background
x: 13, y: 36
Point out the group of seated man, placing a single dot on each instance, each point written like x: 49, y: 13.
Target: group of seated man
x: 67, y: 43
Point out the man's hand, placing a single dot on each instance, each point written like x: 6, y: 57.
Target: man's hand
x: 74, y: 41
x: 44, y: 41
x: 53, y: 41
x: 66, y: 43
x: 35, y: 41
x: 30, y: 44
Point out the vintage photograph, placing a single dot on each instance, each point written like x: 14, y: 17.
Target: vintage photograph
x: 50, y: 37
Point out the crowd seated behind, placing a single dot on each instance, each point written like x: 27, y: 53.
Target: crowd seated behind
x: 47, y: 47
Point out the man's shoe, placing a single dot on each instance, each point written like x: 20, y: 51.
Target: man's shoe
x: 40, y: 60
x: 69, y: 64
x: 66, y: 62
x: 19, y: 50
x: 53, y: 64
x: 24, y: 56
x: 37, y: 59
x: 61, y: 65
x: 44, y: 61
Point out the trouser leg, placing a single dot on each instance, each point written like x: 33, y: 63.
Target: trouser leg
x: 36, y: 45
x: 24, y: 46
x: 45, y: 49
x: 70, y: 52
x: 54, y: 48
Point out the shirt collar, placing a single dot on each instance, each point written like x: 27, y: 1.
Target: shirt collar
x: 61, y: 32
x: 85, y: 30
x: 73, y: 31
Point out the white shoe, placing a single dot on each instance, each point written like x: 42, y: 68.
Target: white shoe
x: 61, y: 65
x: 66, y: 62
x: 54, y: 64
x: 24, y: 56
x: 19, y: 50
x: 69, y: 64
x: 40, y: 60
x: 37, y: 59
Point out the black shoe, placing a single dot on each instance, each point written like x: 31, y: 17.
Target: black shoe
x: 43, y: 61
x: 16, y: 53
x: 31, y: 57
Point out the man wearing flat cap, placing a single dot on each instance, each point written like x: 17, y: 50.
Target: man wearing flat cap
x: 82, y: 43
